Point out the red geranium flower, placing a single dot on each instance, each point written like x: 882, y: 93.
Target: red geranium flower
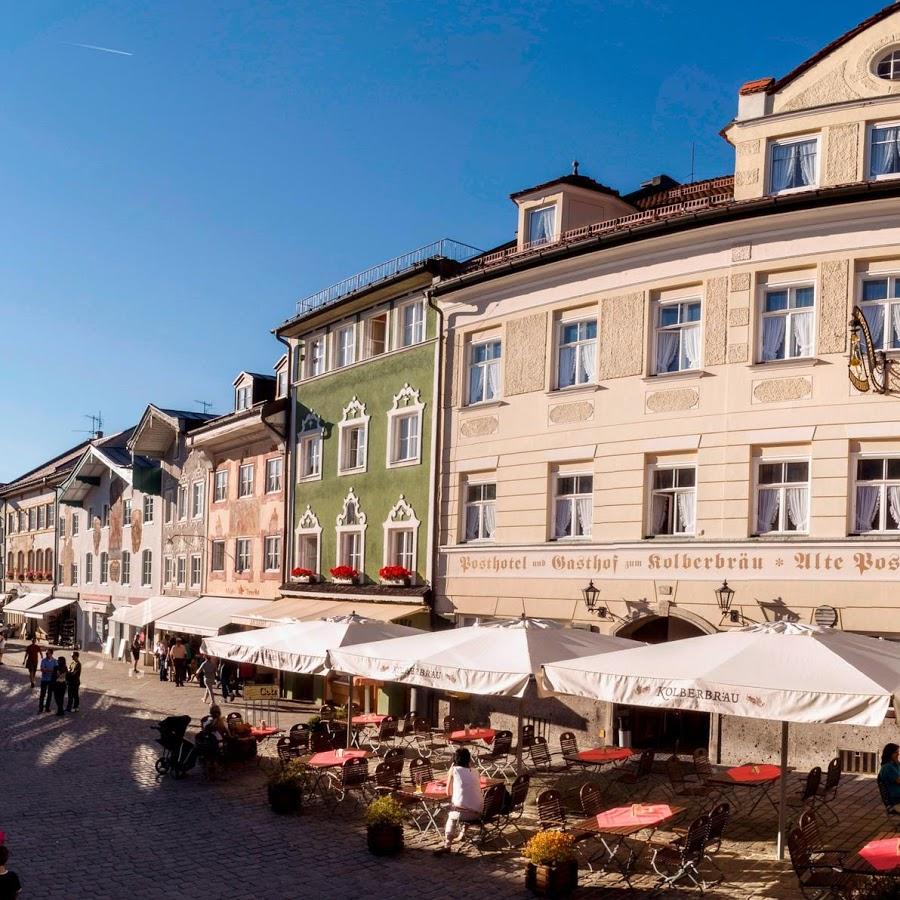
x: 344, y: 572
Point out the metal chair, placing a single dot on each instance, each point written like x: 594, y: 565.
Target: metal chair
x: 385, y: 779
x: 828, y: 791
x: 527, y: 737
x: 406, y: 730
x: 814, y: 880
x: 286, y: 750
x: 420, y: 771
x: 423, y: 737
x: 299, y: 735
x: 551, y: 811
x: 541, y: 756
x: 679, y: 785
x: 682, y: 858
x: 640, y: 776
x: 808, y: 823
x: 497, y: 761
x: 385, y: 736
x: 233, y: 717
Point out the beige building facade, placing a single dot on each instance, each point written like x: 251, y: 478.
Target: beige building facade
x: 658, y: 400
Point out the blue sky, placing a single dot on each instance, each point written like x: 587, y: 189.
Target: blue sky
x: 163, y: 211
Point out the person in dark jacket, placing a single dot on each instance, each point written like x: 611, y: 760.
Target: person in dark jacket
x: 73, y: 683
x: 59, y: 684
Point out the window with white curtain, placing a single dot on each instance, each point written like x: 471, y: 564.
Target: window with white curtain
x: 273, y: 474
x: 884, y: 151
x: 880, y: 304
x: 245, y: 480
x: 577, y: 355
x: 148, y: 509
x: 167, y: 570
x: 197, y: 500
x: 573, y: 510
x: 88, y: 567
x: 126, y: 513
x: 195, y: 570
x: 353, y: 448
x: 788, y: 323
x: 220, y: 486
x: 308, y: 551
x: 405, y: 430
x: 376, y: 334
x: 412, y: 323
x: 350, y: 550
x: 272, y: 552
x: 243, y: 397
x: 480, y: 512
x: 673, y: 500
x: 402, y: 548
x: 311, y: 455
x: 345, y: 346
x: 315, y: 356
x: 794, y: 165
x: 180, y: 570
x: 484, y: 371
x: 782, y: 497
x: 242, y: 555
x: 104, y: 568
x: 877, y: 506
x: 542, y: 225
x: 678, y: 336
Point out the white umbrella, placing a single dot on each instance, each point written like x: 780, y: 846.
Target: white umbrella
x: 494, y: 659
x: 780, y: 671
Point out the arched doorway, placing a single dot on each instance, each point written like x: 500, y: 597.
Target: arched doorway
x: 669, y: 730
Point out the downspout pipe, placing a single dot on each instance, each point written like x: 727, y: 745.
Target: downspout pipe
x: 287, y: 556
x: 436, y: 448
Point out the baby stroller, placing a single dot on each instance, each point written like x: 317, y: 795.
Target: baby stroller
x: 178, y: 755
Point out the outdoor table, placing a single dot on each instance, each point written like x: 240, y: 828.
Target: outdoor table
x: 758, y: 777
x: 614, y: 826
x: 320, y: 763
x: 600, y: 756
x: 432, y: 798
x: 879, y: 857
x: 262, y: 733
x: 472, y: 736
x: 368, y: 719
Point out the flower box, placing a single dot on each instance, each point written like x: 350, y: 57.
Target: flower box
x: 396, y: 576
x: 304, y: 576
x: 339, y: 580
x: 395, y: 582
x: 557, y: 880
x: 344, y: 575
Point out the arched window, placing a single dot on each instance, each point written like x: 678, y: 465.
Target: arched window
x: 48, y: 562
x: 21, y: 566
x: 351, y: 534
x: 39, y: 562
x: 31, y: 560
x: 10, y: 564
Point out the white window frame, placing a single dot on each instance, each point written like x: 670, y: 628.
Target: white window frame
x: 406, y: 404
x: 870, y: 135
x: 168, y: 571
x: 88, y: 568
x: 315, y: 364
x: 126, y: 568
x: 239, y: 543
x: 572, y: 500
x: 181, y: 570
x: 781, y: 487
x: 244, y: 467
x: 883, y: 484
x: 148, y: 509
x: 561, y: 325
x: 480, y: 505
x: 308, y: 526
x: 788, y: 313
x: 673, y: 492
x: 344, y: 349
x: 243, y: 397
x: 893, y: 281
x: 281, y: 383
x: 680, y: 328
x: 484, y: 366
x: 269, y: 541
x: 278, y: 464
x: 401, y: 518
x: 126, y: 512
x: 893, y: 54
x: 197, y: 559
x: 216, y: 546
x: 343, y: 528
x: 530, y: 241
x: 197, y: 499
x: 310, y: 439
x: 104, y: 568
x: 146, y: 568
x: 169, y: 507
x: 182, y: 504
x: 354, y: 416
x: 418, y: 326
x: 367, y: 333
x: 220, y: 485
x: 783, y: 142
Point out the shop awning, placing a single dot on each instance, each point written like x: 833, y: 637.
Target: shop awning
x: 25, y: 601
x: 303, y: 609
x: 149, y: 610
x: 48, y: 606
x: 206, y: 616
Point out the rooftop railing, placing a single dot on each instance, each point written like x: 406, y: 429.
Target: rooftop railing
x: 446, y: 248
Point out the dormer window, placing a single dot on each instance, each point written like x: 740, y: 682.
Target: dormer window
x: 794, y: 165
x: 242, y: 398
x: 282, y: 384
x: 888, y: 67
x: 542, y: 225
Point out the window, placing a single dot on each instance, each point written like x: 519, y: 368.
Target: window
x: 273, y: 554
x: 678, y: 336
x: 401, y: 548
x: 673, y: 500
x: 880, y: 304
x: 104, y: 517
x: 281, y: 384
x: 888, y: 66
x: 104, y: 568
x: 126, y: 567
x: 74, y: 573
x: 32, y: 519
x: 315, y: 356
x: 245, y: 480
x: 484, y: 372
x: 351, y: 550
x: 351, y: 525
x: 42, y: 518
x: 59, y: 573
x: 167, y: 569
x: 308, y: 552
x: 480, y: 512
x: 180, y: 570
x: 74, y: 523
x: 148, y: 509
x: 577, y: 357
x: 61, y: 524
x: 353, y: 455
x: 311, y: 456
x: 542, y: 225
x: 788, y: 323
x: 88, y: 567
x: 405, y: 438
x: 794, y: 165
x: 242, y: 555
x: 23, y: 520
x: 243, y: 398
x: 197, y: 500
x: 574, y: 506
x: 169, y: 507
x: 48, y: 562
x: 51, y: 513
x: 182, y: 503
x: 126, y: 513
x: 884, y: 151
x: 273, y: 475
x: 376, y: 335
x: 220, y: 490
x: 412, y: 323
x: 11, y: 524
x: 877, y: 506
x: 146, y: 568
x: 782, y: 503
x: 217, y: 562
x: 195, y: 570
x: 345, y: 346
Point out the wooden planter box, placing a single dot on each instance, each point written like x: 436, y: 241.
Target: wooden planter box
x: 384, y: 840
x: 395, y: 582
x: 552, y: 881
x: 305, y: 579
x: 285, y: 799
x: 343, y: 580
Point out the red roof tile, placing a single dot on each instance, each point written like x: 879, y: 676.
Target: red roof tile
x: 757, y: 86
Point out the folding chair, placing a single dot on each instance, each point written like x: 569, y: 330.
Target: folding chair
x: 385, y: 779
x: 489, y: 824
x: 385, y: 736
x: 568, y: 748
x: 299, y: 735
x: 808, y: 824
x: 680, y: 786
x: 320, y: 741
x: 423, y: 737
x: 807, y: 797
x: 815, y: 880
x: 233, y: 717
x: 550, y: 809
x: 406, y: 730
x: 639, y: 777
x: 351, y: 776
x: 718, y: 819
x: 420, y: 771
x: 513, y: 814
x: 541, y: 756
x: 286, y: 750
x: 828, y: 791
x: 527, y: 737
x: 591, y: 799
x: 682, y: 858
x: 497, y: 762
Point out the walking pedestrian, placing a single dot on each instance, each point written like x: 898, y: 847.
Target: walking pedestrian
x: 206, y: 673
x: 226, y: 679
x: 48, y: 675
x: 135, y: 652
x: 2, y: 645
x: 59, y: 684
x: 178, y: 655
x: 73, y: 683
x: 32, y: 658
x: 10, y: 886
x: 161, y: 651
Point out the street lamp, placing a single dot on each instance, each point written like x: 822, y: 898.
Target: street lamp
x: 591, y: 596
x: 724, y: 596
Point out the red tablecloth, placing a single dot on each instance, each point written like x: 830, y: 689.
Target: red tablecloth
x: 260, y: 733
x: 636, y: 814
x: 330, y: 758
x: 439, y: 788
x: 368, y: 719
x: 474, y: 734
x: 750, y: 774
x: 604, y: 754
x: 883, y: 855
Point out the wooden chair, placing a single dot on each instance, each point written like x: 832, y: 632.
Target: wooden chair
x: 815, y: 881
x: 568, y: 748
x: 541, y: 756
x: 406, y: 730
x: 299, y: 735
x: 591, y: 798
x: 286, y: 750
x: 527, y: 737
x: 420, y: 771
x: 350, y: 778
x: 320, y: 741
x: 551, y: 811
x: 497, y: 762
x: 638, y: 779
x: 385, y: 736
x: 233, y: 717
x: 808, y: 796
x: 680, y: 786
x: 516, y: 809
x: 385, y: 779
x: 489, y: 825
x: 828, y: 791
x: 808, y: 824
x: 681, y: 859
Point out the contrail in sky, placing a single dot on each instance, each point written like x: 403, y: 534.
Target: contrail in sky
x: 101, y: 49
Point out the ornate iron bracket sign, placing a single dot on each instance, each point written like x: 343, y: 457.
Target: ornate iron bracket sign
x: 869, y: 370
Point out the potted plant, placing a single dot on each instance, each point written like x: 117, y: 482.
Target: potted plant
x: 344, y: 575
x: 384, y: 826
x: 29, y: 576
x: 552, y: 867
x: 303, y: 576
x: 398, y: 576
x: 285, y: 788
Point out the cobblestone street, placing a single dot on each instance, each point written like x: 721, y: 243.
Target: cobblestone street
x: 85, y: 817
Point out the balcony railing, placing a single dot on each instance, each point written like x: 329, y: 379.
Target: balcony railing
x: 446, y: 248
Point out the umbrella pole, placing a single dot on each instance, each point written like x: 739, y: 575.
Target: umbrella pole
x: 519, y: 766
x: 782, y: 791
x: 349, y: 711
